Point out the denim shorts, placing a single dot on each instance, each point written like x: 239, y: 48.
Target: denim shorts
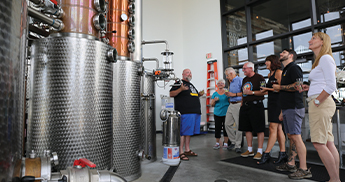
x: 293, y: 119
x: 190, y: 124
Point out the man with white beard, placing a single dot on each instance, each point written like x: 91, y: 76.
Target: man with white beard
x: 186, y: 98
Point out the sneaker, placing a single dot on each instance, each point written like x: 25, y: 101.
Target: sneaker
x: 300, y: 174
x: 238, y: 150
x: 287, y: 167
x: 258, y: 156
x: 247, y: 153
x: 225, y: 147
x: 232, y: 146
x: 216, y: 147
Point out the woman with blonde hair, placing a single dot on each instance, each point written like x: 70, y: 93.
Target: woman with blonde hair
x: 220, y: 102
x: 321, y: 105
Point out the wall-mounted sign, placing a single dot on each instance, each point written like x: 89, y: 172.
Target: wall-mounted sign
x: 208, y: 55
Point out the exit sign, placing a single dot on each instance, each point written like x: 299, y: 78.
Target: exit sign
x: 208, y: 55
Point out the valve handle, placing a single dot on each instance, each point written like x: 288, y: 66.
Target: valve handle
x: 83, y: 162
x: 54, y: 1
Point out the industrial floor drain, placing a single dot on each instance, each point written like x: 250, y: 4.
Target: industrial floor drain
x: 221, y: 180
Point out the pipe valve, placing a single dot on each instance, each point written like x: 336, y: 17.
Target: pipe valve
x: 112, y: 55
x: 141, y: 154
x: 83, y: 162
x: 54, y: 158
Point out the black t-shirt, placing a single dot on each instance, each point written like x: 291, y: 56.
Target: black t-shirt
x: 253, y: 84
x: 291, y: 100
x: 187, y: 101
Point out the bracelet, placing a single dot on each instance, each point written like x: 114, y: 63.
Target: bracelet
x: 236, y: 94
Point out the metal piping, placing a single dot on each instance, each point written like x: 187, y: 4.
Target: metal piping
x: 152, y: 59
x: 38, y: 2
x: 156, y: 42
x: 56, y: 23
x: 49, y: 7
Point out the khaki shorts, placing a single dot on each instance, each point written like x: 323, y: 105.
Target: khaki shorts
x: 320, y: 121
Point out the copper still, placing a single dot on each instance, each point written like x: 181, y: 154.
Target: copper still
x: 84, y: 16
x: 120, y: 24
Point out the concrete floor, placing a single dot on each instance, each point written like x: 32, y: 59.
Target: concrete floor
x: 207, y: 167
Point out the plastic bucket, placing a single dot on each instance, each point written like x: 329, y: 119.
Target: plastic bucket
x: 171, y: 156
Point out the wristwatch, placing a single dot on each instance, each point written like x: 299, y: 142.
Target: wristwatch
x: 253, y: 93
x: 317, y: 102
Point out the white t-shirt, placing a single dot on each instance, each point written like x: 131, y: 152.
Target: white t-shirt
x: 322, y: 77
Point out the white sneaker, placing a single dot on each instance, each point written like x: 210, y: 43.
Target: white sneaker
x: 216, y: 147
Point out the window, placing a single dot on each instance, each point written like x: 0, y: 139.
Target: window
x: 339, y: 58
x: 238, y: 57
x: 278, y: 24
x: 330, y: 10
x: 300, y: 42
x: 261, y: 51
x: 236, y: 29
x: 336, y: 34
x: 231, y: 4
x: 279, y: 16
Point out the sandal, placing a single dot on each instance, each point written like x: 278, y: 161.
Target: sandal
x: 183, y: 157
x: 190, y: 153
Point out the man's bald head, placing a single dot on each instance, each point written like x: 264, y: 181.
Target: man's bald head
x: 187, y: 75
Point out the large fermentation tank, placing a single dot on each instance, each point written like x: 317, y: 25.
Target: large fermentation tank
x: 71, y: 105
x: 126, y: 119
x: 147, y: 120
x: 13, y: 22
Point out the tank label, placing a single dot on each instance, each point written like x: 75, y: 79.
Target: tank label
x: 176, y: 153
x: 171, y: 153
x: 165, y: 153
x: 169, y: 105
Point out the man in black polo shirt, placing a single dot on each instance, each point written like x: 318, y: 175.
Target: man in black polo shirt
x: 252, y: 114
x: 187, y: 102
x: 292, y: 115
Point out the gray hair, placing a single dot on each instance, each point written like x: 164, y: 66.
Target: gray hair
x: 221, y: 80
x: 250, y: 65
x: 230, y: 70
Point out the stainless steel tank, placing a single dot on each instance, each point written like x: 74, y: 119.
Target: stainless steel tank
x: 126, y: 119
x: 13, y: 16
x: 71, y: 105
x: 148, y: 119
x: 171, y: 128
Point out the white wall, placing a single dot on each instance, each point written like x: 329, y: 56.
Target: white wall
x: 192, y: 29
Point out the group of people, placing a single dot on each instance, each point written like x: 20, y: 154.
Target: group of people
x: 240, y: 109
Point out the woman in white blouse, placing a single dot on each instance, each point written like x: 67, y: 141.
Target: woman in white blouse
x: 321, y: 105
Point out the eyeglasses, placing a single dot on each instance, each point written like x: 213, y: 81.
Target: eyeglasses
x: 245, y: 68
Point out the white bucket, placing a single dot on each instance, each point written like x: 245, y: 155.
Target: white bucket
x: 171, y: 156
